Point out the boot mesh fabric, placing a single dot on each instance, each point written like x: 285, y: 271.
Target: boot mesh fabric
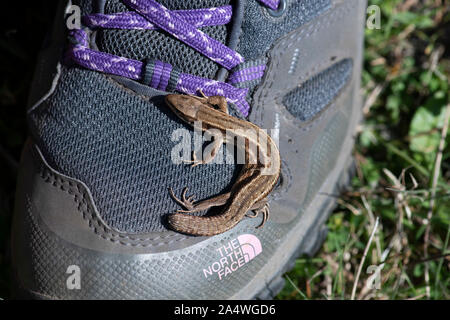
x: 311, y: 97
x: 86, y: 6
x: 120, y: 146
x: 143, y: 44
x: 260, y: 29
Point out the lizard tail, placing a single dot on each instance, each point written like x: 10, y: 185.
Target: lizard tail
x: 199, y: 226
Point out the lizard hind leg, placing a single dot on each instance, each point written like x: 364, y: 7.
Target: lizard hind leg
x: 190, y: 206
x: 185, y: 202
x: 266, y: 213
x: 260, y: 208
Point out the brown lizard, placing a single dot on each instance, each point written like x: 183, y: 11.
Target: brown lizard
x: 255, y: 182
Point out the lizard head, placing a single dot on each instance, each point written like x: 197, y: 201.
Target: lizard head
x: 184, y: 106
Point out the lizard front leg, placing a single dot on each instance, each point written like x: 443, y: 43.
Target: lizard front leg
x: 208, y: 156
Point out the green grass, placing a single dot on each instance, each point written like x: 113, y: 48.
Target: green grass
x: 407, y: 62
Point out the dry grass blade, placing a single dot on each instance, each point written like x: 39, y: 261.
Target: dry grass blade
x: 436, y: 171
x: 372, y: 98
x: 358, y: 273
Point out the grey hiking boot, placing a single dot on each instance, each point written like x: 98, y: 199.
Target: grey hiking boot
x: 92, y: 199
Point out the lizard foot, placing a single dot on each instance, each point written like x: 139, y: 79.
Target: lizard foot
x: 264, y: 210
x: 194, y: 162
x: 185, y: 202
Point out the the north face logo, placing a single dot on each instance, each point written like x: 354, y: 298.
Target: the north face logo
x: 250, y: 245
x: 234, y: 255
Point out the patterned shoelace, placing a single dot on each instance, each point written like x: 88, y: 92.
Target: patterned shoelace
x: 183, y: 25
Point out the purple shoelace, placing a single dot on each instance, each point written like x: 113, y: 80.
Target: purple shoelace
x: 183, y: 25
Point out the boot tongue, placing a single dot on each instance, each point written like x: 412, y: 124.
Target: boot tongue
x: 157, y: 44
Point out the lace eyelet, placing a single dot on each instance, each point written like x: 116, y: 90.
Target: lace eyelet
x: 280, y: 10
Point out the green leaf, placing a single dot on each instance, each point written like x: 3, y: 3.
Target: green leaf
x: 367, y: 137
x: 418, y: 270
x: 426, y: 119
x: 393, y: 105
x: 371, y: 172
